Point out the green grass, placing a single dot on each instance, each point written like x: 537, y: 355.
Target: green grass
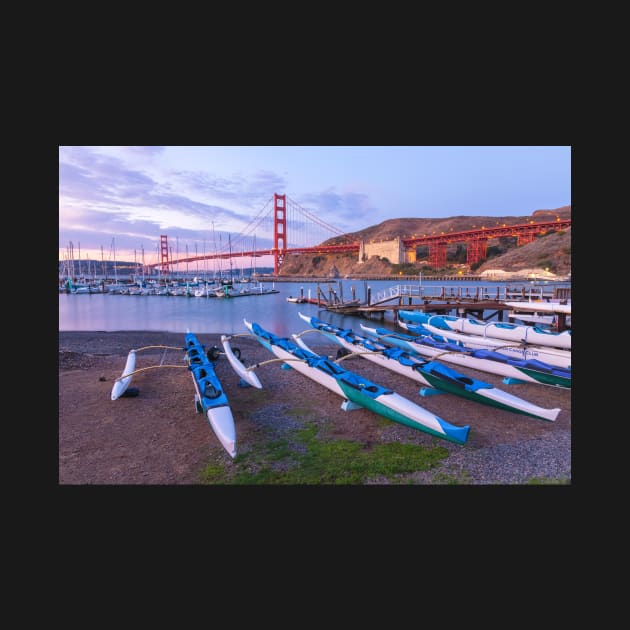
x: 305, y: 460
x: 549, y: 481
x: 441, y: 478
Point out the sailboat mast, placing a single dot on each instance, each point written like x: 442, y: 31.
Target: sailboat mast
x: 115, y: 268
x: 214, y: 260
x: 230, y: 251
x: 205, y: 262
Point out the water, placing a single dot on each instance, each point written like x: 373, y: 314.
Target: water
x: 104, y: 312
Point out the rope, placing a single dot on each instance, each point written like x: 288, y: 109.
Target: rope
x: 150, y: 367
x: 228, y: 337
x: 356, y: 354
x: 257, y: 365
x: 167, y: 348
x: 308, y: 330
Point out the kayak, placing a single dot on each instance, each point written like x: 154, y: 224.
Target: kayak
x: 356, y: 389
x: 514, y: 350
x: 210, y: 398
x: 430, y: 373
x: 510, y: 332
x: 121, y: 383
x: 547, y: 307
x: 485, y: 360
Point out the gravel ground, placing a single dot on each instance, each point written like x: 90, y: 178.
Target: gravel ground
x: 157, y: 438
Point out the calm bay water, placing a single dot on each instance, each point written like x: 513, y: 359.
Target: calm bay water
x: 104, y: 312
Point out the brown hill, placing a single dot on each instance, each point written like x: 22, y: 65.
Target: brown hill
x: 552, y: 250
x: 405, y: 228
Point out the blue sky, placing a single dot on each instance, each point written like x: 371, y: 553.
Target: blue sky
x: 126, y: 197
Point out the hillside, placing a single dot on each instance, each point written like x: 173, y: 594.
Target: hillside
x: 391, y: 228
x: 551, y: 251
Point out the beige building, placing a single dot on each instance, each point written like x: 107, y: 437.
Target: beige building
x: 393, y: 250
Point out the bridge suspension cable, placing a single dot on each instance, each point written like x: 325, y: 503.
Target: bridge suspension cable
x: 250, y: 228
x: 315, y: 219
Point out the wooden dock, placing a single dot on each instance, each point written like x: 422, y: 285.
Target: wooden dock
x: 462, y: 302
x: 461, y: 308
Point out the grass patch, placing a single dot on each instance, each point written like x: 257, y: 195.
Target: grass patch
x: 451, y: 480
x: 309, y: 460
x: 214, y: 473
x: 549, y: 481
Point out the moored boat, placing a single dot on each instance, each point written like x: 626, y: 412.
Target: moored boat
x: 535, y: 307
x: 510, y: 332
x: 512, y: 349
x: 355, y: 388
x: 530, y: 371
x: 430, y: 373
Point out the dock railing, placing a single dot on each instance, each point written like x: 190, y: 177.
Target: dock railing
x: 496, y: 293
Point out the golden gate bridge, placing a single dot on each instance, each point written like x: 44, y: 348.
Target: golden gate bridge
x: 294, y: 229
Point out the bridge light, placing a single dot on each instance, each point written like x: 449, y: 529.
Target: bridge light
x: 557, y: 218
x: 532, y: 221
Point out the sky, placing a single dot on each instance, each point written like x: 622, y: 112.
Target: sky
x: 116, y: 201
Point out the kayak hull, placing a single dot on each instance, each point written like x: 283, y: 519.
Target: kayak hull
x: 357, y: 389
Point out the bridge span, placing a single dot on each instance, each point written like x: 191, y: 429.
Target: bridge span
x: 403, y: 248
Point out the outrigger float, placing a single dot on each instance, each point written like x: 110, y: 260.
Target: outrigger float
x: 439, y: 378
x: 356, y: 390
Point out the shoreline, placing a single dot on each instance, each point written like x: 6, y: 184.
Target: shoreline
x: 158, y: 438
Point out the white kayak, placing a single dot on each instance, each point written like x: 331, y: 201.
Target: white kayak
x: 546, y: 307
x: 510, y: 332
x: 480, y: 359
x: 431, y: 373
x: 210, y: 398
x: 121, y: 383
x: 356, y: 389
x: 546, y: 354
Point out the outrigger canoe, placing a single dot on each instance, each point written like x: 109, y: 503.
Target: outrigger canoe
x: 210, y: 398
x: 356, y: 389
x: 431, y: 373
x: 484, y: 360
x: 514, y: 350
x: 510, y: 332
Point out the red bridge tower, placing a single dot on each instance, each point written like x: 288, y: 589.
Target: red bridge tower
x: 164, y: 261
x: 279, y: 230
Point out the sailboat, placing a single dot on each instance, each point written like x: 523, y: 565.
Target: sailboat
x: 226, y: 288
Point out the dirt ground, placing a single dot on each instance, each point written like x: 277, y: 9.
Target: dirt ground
x: 158, y: 438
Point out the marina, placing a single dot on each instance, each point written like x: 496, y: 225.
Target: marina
x: 118, y: 312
